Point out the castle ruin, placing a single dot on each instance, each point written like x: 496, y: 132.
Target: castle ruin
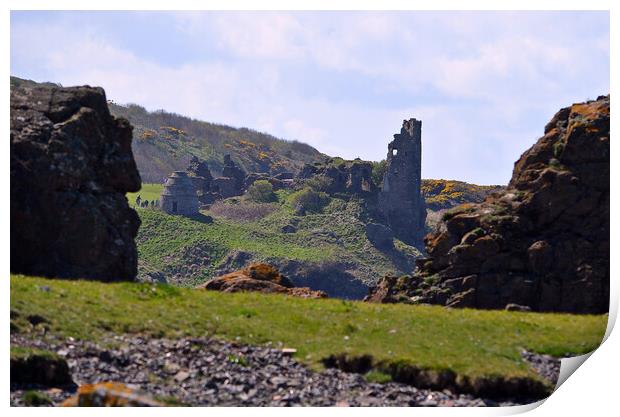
x: 179, y: 195
x: 401, y: 200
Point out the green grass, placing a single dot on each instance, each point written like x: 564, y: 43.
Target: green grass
x: 472, y: 343
x: 21, y: 352
x: 147, y: 192
x: 169, y: 243
x: 34, y: 398
x: 378, y: 377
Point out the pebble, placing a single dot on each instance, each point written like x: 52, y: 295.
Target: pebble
x: 203, y: 374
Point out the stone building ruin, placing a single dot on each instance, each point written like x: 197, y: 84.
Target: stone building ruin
x: 400, y: 198
x: 179, y: 195
x: 230, y: 184
x: 353, y: 177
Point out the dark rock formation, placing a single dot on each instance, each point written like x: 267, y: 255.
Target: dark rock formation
x: 379, y: 235
x: 262, y: 278
x: 336, y: 279
x: 389, y: 289
x: 40, y: 368
x: 179, y: 195
x: 400, y: 198
x: 71, y: 165
x: 543, y: 244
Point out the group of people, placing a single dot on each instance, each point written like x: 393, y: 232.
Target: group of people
x: 146, y: 203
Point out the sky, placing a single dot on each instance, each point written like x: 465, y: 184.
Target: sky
x: 484, y: 84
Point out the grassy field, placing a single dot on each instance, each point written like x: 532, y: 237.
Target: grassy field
x: 147, y: 192
x: 471, y: 343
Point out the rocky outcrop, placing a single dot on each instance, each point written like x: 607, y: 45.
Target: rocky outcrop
x: 261, y: 278
x: 71, y: 165
x: 400, y: 199
x: 543, y: 244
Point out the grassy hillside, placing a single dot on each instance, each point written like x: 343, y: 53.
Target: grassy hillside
x: 326, y: 245
x: 165, y: 142
x: 471, y: 343
x: 444, y: 194
x: 148, y: 192
x: 20, y: 82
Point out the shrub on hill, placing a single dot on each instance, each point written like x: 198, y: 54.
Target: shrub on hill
x: 261, y: 192
x: 378, y: 169
x: 242, y: 211
x: 319, y: 183
x: 308, y: 200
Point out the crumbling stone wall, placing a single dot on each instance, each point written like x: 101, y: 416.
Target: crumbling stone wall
x: 354, y: 177
x: 198, y: 171
x: 400, y: 199
x: 231, y: 170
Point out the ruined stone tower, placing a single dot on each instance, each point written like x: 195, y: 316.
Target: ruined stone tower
x: 400, y: 199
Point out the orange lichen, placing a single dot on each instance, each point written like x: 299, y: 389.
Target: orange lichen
x: 108, y: 394
x: 590, y: 111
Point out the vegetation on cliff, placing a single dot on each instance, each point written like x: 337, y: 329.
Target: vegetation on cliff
x: 165, y: 142
x: 444, y: 194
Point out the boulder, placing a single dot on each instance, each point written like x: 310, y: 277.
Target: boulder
x: 259, y: 277
x: 71, y: 165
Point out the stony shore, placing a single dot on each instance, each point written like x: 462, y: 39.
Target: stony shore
x: 210, y: 372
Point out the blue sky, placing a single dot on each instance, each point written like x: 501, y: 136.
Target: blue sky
x: 483, y: 83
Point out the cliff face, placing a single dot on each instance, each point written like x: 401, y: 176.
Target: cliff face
x: 542, y: 244
x: 71, y: 165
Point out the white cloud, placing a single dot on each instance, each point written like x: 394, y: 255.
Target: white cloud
x: 483, y: 99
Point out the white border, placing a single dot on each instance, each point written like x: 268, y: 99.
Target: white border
x: 590, y: 391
